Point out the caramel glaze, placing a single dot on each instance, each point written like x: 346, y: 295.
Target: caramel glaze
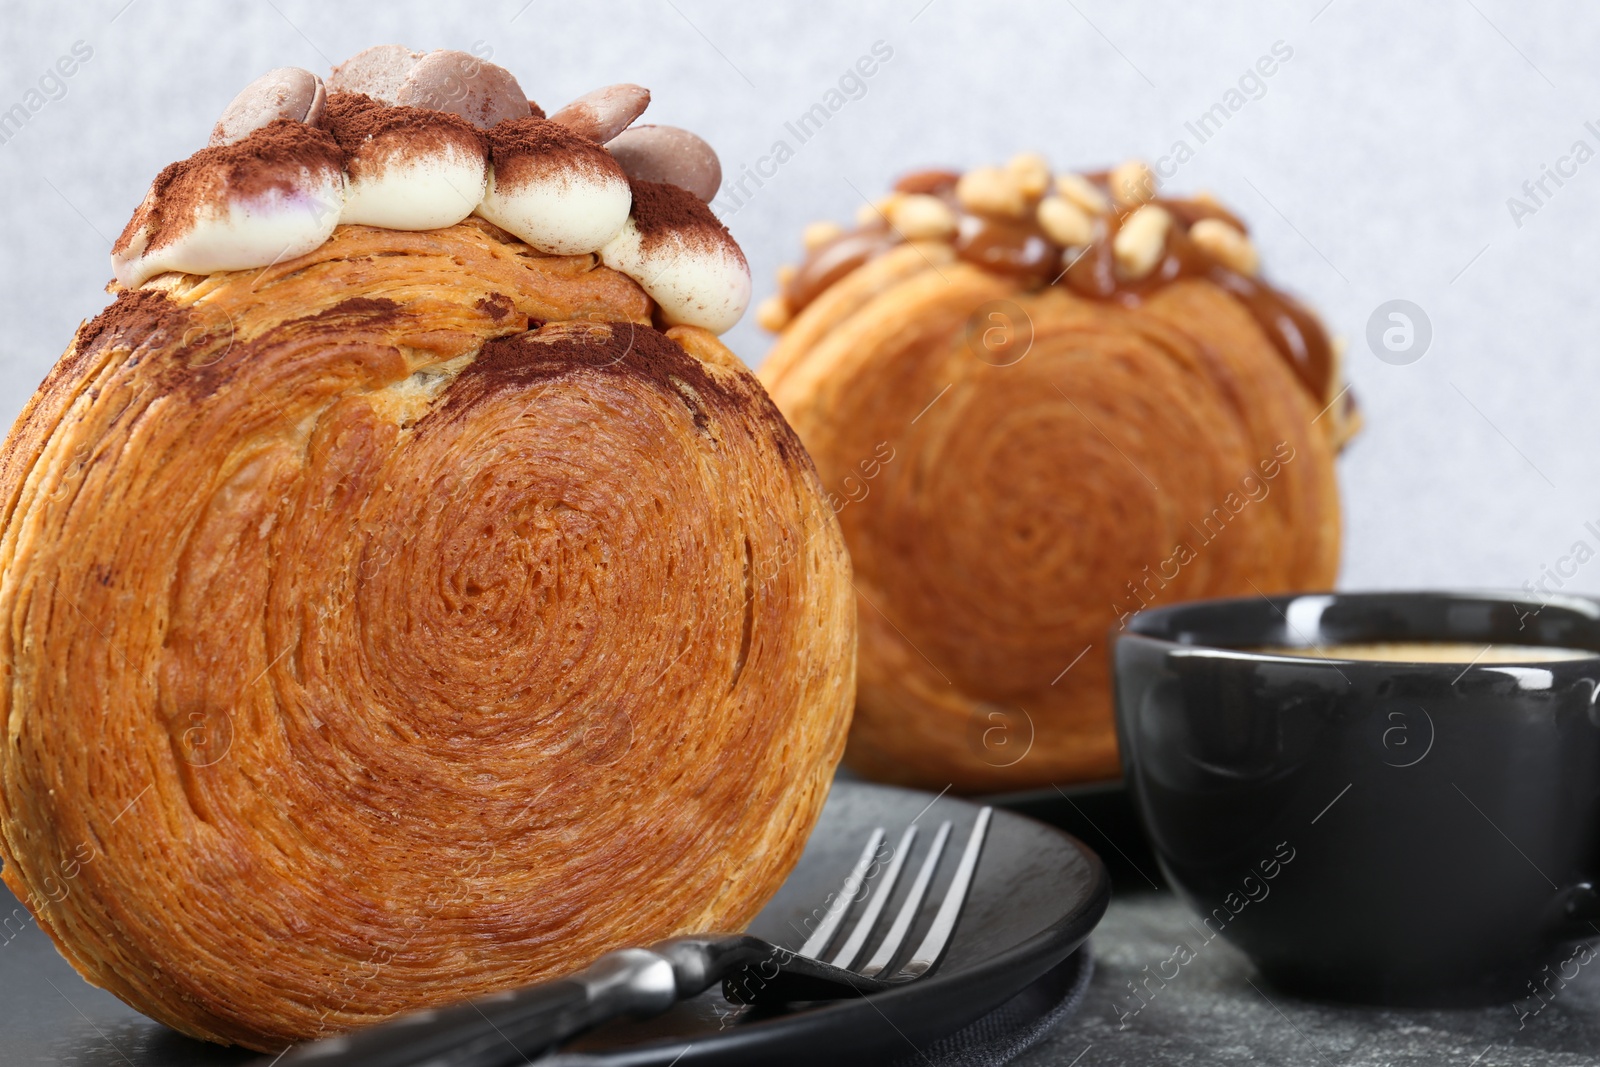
x: 832, y: 261
x: 1019, y: 249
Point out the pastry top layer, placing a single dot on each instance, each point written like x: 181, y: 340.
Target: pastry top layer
x: 410, y: 141
x: 1104, y: 235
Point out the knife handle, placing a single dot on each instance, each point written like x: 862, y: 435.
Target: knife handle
x: 505, y: 1028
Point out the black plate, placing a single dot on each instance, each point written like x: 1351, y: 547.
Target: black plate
x: 1038, y: 893
x: 1100, y: 814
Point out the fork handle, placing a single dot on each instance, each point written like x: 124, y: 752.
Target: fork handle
x: 505, y: 1028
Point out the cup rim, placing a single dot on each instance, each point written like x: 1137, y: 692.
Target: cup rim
x: 1160, y: 626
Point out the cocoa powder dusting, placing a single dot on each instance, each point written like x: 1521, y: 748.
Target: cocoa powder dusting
x: 526, y: 149
x: 623, y: 348
x: 131, y: 317
x: 272, y: 158
x: 496, y: 305
x: 661, y: 211
x: 369, y: 309
x: 372, y: 133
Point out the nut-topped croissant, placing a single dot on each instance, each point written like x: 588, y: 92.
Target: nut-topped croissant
x: 1040, y: 403
x: 417, y: 611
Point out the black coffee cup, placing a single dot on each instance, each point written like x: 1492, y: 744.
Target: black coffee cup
x: 1384, y: 832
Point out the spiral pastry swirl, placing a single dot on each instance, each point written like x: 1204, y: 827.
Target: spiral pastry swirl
x: 403, y: 622
x: 1018, y: 468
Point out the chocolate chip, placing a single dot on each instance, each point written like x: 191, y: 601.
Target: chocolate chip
x: 377, y: 71
x: 668, y: 154
x: 285, y: 93
x: 604, y: 113
x: 462, y: 84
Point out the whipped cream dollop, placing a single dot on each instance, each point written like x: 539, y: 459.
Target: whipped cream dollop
x: 555, y: 189
x: 275, y: 195
x: 407, y: 168
x: 417, y: 141
x: 678, y: 252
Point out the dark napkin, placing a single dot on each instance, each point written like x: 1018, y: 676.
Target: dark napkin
x: 1017, y: 1025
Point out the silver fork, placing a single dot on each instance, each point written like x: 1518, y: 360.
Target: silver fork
x: 515, y: 1026
x: 939, y: 931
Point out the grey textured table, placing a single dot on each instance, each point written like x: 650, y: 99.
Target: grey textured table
x: 1217, y: 1011
x: 1210, y: 1013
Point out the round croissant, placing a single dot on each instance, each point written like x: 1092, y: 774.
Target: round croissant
x: 399, y: 623
x: 1019, y: 468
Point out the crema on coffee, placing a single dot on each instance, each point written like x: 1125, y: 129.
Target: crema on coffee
x: 1433, y: 652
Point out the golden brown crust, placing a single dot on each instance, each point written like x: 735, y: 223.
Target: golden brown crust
x: 1004, y: 518
x: 351, y: 665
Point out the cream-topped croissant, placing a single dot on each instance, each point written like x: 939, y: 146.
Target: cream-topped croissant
x: 408, y: 613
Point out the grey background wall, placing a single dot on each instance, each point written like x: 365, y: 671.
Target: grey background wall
x: 1376, y: 163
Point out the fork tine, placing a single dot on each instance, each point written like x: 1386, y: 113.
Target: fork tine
x: 880, y: 897
x: 818, y: 941
x: 908, y: 911
x: 944, y: 923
